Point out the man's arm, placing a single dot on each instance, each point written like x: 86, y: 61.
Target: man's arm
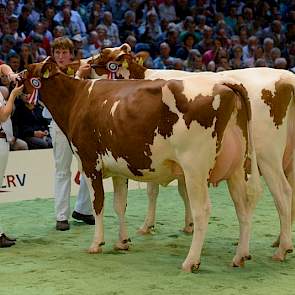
x: 5, y: 70
x: 6, y: 110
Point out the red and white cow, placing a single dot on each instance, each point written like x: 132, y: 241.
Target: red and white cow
x: 149, y: 131
x: 271, y: 93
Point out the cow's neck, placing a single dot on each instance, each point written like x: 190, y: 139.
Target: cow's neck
x: 136, y: 71
x: 59, y: 94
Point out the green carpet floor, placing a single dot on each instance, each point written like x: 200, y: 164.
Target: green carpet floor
x: 45, y: 261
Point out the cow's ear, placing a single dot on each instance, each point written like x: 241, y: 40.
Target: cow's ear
x: 48, y: 70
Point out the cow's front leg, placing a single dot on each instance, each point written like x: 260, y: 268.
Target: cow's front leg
x: 149, y: 222
x: 188, y: 220
x: 120, y: 203
x: 200, y: 204
x: 98, y: 239
x: 95, y: 187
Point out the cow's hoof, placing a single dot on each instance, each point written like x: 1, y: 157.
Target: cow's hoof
x: 191, y: 267
x: 278, y: 257
x: 189, y: 229
x: 94, y: 249
x: 240, y: 262
x: 281, y: 255
x: 122, y: 245
x: 146, y: 230
x: 276, y: 243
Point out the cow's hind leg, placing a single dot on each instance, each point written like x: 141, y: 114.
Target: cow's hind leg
x: 149, y: 222
x: 282, y: 193
x: 120, y: 203
x: 237, y: 189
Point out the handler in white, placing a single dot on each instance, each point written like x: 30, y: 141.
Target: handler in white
x: 5, y: 111
x: 62, y: 50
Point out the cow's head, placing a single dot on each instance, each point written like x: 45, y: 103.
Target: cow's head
x: 34, y: 74
x: 117, y: 57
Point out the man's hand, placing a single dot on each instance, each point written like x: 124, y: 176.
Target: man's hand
x: 40, y: 134
x: 84, y: 71
x: 17, y: 90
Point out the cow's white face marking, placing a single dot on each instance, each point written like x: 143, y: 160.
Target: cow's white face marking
x: 216, y: 102
x: 105, y: 101
x: 114, y: 107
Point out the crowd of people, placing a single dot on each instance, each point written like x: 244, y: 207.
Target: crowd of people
x: 190, y: 35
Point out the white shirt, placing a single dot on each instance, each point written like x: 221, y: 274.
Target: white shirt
x: 7, y: 125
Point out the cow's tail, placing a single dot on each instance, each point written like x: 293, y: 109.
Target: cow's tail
x: 254, y: 188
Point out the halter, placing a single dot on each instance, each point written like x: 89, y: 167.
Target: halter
x: 112, y: 68
x: 36, y: 84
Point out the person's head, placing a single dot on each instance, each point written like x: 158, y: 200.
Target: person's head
x: 178, y: 64
x: 260, y: 62
x: 37, y: 40
x: 152, y: 17
x: 235, y: 40
x: 49, y: 12
x: 13, y: 61
x: 252, y: 42
x: 101, y: 31
x: 25, y: 50
x: 275, y: 53
x: 26, y: 11
x: 10, y: 7
x: 164, y: 49
x: 62, y: 51
x: 248, y: 13
x: 223, y: 62
x: 129, y: 17
x: 238, y: 51
x: 194, y: 59
x: 5, y: 29
x: 131, y: 40
x: 276, y: 26
x: 207, y: 33
x: 78, y: 41
x: 189, y: 39
x: 211, y: 67
x: 8, y: 43
x: 93, y: 37
x: 172, y: 36
x: 107, y: 18
x: 58, y: 31
x: 13, y: 23
x: 268, y: 44
x: 280, y: 63
x: 39, y: 28
x: 66, y: 14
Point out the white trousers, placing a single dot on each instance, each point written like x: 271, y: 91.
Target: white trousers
x: 63, y: 156
x: 4, y: 150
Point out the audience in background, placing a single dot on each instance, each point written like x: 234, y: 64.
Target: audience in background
x: 167, y: 34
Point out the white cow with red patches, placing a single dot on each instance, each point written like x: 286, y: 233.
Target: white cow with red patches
x: 274, y: 143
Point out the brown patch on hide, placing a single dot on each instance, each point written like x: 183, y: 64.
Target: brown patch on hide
x: 200, y: 109
x: 279, y: 101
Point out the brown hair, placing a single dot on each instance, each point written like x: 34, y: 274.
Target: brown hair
x: 62, y: 43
